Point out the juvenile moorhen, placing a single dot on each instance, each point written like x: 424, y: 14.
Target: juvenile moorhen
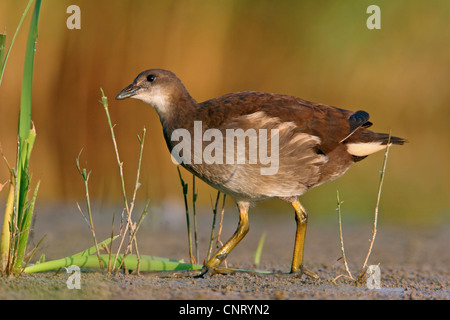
x: 314, y: 143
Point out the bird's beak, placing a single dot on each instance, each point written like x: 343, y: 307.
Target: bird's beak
x: 129, y: 91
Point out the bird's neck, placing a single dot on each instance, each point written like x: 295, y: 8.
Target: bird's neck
x: 179, y: 114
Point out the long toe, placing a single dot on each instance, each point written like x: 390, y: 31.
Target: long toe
x: 303, y: 271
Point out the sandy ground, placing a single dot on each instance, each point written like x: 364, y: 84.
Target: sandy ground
x: 414, y: 264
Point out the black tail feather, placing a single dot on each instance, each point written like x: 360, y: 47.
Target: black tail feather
x: 384, y: 138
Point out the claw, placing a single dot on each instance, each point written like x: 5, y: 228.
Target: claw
x: 310, y: 274
x: 210, y: 271
x: 303, y: 271
x: 202, y: 273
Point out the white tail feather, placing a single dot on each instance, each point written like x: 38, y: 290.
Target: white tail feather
x: 362, y: 149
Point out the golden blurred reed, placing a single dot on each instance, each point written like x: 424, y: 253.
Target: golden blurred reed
x: 323, y: 53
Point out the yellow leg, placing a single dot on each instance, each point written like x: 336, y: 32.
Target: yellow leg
x: 297, y: 260
x: 301, y: 218
x: 238, y: 235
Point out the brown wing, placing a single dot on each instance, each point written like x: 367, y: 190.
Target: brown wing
x: 331, y: 125
x: 313, y: 141
x: 304, y: 139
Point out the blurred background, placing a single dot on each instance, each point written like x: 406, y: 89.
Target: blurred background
x: 319, y: 51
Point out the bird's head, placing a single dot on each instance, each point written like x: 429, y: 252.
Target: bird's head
x: 157, y: 87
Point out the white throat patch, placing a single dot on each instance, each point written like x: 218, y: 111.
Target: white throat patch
x: 157, y: 99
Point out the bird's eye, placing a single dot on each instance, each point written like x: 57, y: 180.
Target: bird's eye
x: 150, y: 77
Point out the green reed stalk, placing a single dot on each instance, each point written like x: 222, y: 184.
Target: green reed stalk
x: 17, y: 219
x: 27, y: 136
x: 259, y: 249
x: 2, y: 52
x: 3, y: 38
x: 188, y: 223
x: 213, y: 227
x: 148, y: 263
x: 194, y: 211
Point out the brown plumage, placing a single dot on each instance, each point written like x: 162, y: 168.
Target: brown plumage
x: 316, y: 143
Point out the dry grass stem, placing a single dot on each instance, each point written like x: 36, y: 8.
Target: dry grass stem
x: 2, y: 185
x: 127, y: 226
x: 122, y: 180
x: 375, y: 221
x: 341, y: 236
x: 85, y: 175
x: 133, y: 236
x: 138, y: 171
x: 362, y: 276
x: 109, y: 251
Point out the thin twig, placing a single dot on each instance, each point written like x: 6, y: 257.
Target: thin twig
x: 144, y: 213
x: 341, y: 275
x: 110, y: 244
x: 128, y: 224
x: 375, y: 221
x: 85, y: 175
x: 33, y: 252
x: 2, y: 185
x: 133, y: 201
x: 339, y: 202
x: 133, y: 236
x: 138, y: 184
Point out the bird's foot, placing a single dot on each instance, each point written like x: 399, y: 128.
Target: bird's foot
x: 205, y: 271
x: 303, y: 271
x: 310, y: 274
x: 210, y: 271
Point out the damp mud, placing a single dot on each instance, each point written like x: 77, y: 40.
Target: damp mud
x: 414, y: 263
